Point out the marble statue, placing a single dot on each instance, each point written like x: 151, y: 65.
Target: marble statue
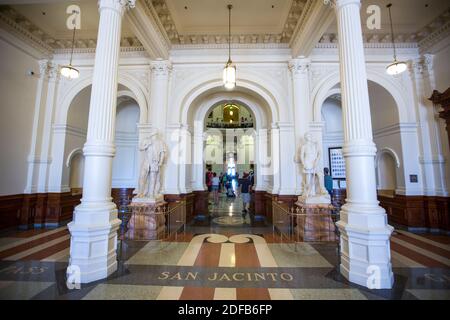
x: 308, y: 157
x: 154, y: 154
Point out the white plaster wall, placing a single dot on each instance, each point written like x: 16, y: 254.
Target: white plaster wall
x: 125, y: 163
x: 18, y: 93
x: 387, y: 176
x: 382, y: 107
x: 333, y: 133
x: 76, y: 171
x: 442, y: 69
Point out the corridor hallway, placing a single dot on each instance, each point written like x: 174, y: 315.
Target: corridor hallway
x: 222, y: 257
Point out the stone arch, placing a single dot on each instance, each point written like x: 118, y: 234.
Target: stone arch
x: 195, y: 87
x: 135, y: 91
x: 389, y: 151
x: 72, y: 154
x: 387, y: 178
x: 198, y: 111
x: 326, y: 87
x: 75, y: 164
x: 262, y: 120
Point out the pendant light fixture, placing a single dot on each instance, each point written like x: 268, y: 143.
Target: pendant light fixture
x: 69, y: 71
x: 229, y: 72
x: 396, y: 67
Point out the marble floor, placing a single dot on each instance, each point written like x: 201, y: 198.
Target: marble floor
x: 227, y: 257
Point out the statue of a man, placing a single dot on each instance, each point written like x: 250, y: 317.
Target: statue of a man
x: 309, y: 157
x: 150, y: 174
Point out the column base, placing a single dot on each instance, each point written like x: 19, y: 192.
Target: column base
x: 93, y: 246
x: 365, y: 248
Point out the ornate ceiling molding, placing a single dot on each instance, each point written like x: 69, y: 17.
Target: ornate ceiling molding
x: 25, y: 30
x: 425, y: 38
x: 169, y: 27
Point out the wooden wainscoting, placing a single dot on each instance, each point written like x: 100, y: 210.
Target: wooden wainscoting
x: 418, y: 212
x: 201, y: 202
x: 37, y: 210
x: 188, y: 197
x: 10, y: 209
x: 258, y: 205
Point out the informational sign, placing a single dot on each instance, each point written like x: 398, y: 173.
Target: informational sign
x: 337, y: 163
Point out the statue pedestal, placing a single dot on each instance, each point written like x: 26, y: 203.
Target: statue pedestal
x: 314, y: 223
x: 323, y: 199
x: 150, y: 201
x: 147, y: 221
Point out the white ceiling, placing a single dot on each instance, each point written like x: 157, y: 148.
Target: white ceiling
x: 52, y: 17
x: 211, y: 16
x: 409, y: 16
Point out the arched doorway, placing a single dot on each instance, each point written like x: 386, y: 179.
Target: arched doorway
x: 72, y: 137
x: 386, y: 125
x: 229, y: 160
x: 386, y: 174
x: 75, y: 164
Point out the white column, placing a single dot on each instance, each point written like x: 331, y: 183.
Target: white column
x: 160, y: 75
x: 262, y: 159
x: 94, y: 228
x: 431, y: 159
x: 286, y: 163
x: 46, y: 159
x: 185, y: 157
x: 275, y: 159
x: 303, y: 109
x: 365, y: 246
x: 174, y: 161
x: 39, y: 110
x: 198, y: 174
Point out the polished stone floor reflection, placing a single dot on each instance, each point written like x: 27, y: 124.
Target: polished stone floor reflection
x: 226, y: 257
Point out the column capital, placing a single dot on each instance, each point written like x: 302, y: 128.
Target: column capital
x: 160, y: 68
x: 118, y: 5
x: 54, y: 72
x: 342, y: 3
x: 299, y: 66
x: 44, y: 66
x: 427, y: 61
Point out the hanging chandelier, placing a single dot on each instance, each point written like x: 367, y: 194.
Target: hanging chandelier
x: 69, y: 71
x: 396, y: 67
x: 229, y: 72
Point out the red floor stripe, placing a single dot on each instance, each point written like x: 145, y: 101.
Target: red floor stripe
x: 437, y: 238
x: 413, y: 255
x: 209, y: 255
x: 426, y: 246
x: 246, y: 255
x: 32, y: 244
x: 197, y: 293
x: 47, y: 252
x: 252, y: 294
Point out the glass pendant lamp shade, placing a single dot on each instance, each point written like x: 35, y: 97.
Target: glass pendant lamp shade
x: 69, y: 71
x: 229, y: 72
x: 229, y: 76
x: 396, y: 67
